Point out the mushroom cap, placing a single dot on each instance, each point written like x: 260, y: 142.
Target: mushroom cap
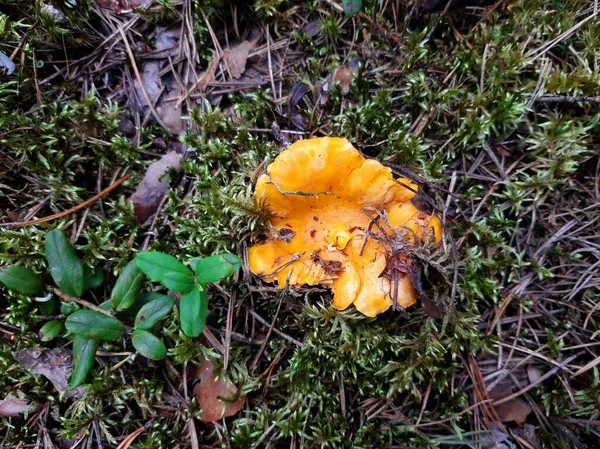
x: 323, y: 197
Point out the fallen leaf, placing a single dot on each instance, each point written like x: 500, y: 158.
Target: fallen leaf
x: 515, y: 410
x: 299, y: 121
x: 12, y: 406
x: 430, y: 308
x: 209, y: 390
x: 297, y: 92
x: 126, y: 126
x: 159, y: 143
x: 208, y: 76
x: 52, y: 11
x: 528, y: 433
x: 162, y: 91
x: 171, y: 113
x: 312, y: 29
x: 344, y: 77
x: 534, y: 374
x: 5, y: 335
x: 150, y: 76
x: 154, y: 186
x: 235, y: 57
x: 54, y: 364
x: 495, y: 439
x: 6, y: 62
x: 166, y: 41
x: 252, y: 77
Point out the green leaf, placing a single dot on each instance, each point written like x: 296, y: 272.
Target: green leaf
x: 155, y: 265
x: 151, y: 313
x: 47, y: 307
x: 141, y: 301
x: 128, y: 286
x: 67, y: 308
x: 51, y: 330
x: 214, y: 268
x: 193, y: 310
x: 65, y: 267
x: 94, y: 325
x: 149, y: 345
x: 84, y: 352
x: 178, y: 282
x: 21, y: 279
x: 92, y: 277
x: 351, y: 7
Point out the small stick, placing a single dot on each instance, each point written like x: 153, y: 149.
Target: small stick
x: 139, y: 78
x: 266, y: 339
x: 539, y: 381
x: 82, y: 302
x: 566, y: 99
x: 257, y: 171
x: 313, y: 194
x: 293, y: 259
x: 439, y: 19
x: 83, y: 205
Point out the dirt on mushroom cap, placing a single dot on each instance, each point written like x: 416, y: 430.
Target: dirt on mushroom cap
x: 337, y: 209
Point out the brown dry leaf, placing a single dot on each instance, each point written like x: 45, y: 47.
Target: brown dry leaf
x: 516, y: 409
x: 171, y: 115
x: 12, y: 406
x: 162, y: 90
x: 235, y: 57
x: 344, y: 76
x: 208, y: 76
x: 154, y: 186
x: 430, y: 308
x: 208, y: 391
x: 170, y: 110
x: 54, y: 364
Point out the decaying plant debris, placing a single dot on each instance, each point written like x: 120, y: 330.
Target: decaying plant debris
x: 490, y: 109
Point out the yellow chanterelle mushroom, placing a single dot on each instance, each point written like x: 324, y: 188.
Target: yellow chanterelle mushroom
x: 332, y: 211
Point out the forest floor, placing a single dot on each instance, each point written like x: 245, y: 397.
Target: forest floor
x: 492, y: 109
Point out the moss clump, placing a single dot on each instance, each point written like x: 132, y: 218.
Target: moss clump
x: 477, y: 105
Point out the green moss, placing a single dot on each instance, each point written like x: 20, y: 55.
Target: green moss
x: 455, y: 109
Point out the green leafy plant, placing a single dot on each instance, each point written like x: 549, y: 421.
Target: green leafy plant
x: 129, y: 311
x: 351, y: 7
x: 193, y: 306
